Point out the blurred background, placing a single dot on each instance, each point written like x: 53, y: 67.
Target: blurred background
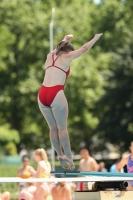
x: 99, y: 90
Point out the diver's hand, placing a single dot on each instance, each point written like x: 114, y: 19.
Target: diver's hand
x: 68, y: 37
x: 97, y: 36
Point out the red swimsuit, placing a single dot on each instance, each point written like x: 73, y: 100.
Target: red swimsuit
x: 47, y: 94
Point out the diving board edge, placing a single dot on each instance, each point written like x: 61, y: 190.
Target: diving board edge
x: 89, y: 173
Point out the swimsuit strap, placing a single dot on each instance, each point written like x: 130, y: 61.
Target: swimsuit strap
x: 60, y: 68
x: 53, y: 59
x: 67, y: 73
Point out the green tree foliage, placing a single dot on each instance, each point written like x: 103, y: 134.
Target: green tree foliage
x: 95, y: 77
x: 117, y: 103
x: 8, y: 138
x: 24, y: 39
x: 10, y: 149
x: 8, y: 135
x: 116, y: 120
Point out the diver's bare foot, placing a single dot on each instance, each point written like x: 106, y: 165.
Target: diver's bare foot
x: 69, y: 161
x: 63, y: 162
x: 66, y: 162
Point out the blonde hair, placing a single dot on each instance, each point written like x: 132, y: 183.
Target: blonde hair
x: 42, y: 153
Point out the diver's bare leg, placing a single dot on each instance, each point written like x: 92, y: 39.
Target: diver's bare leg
x: 48, y: 115
x: 60, y: 111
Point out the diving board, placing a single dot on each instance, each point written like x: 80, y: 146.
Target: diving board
x: 100, y: 185
x: 85, y: 173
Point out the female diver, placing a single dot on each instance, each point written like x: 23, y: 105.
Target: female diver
x: 51, y: 99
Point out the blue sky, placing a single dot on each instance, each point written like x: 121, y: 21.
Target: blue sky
x: 97, y: 1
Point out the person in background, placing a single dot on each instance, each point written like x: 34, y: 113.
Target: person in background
x: 5, y: 196
x: 28, y: 193
x: 87, y: 163
x: 102, y: 167
x: 61, y: 191
x: 25, y: 172
x: 113, y: 167
x: 43, y: 171
x: 128, y: 160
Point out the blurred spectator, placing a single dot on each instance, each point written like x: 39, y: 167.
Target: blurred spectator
x: 113, y: 168
x: 61, y: 191
x: 25, y: 172
x: 27, y: 193
x: 87, y: 163
x: 5, y: 196
x: 43, y: 171
x: 128, y: 160
x: 102, y: 167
